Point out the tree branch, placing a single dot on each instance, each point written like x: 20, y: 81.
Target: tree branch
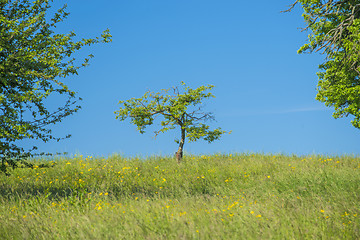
x: 290, y: 7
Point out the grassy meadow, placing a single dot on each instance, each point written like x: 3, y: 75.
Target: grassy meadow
x: 233, y: 196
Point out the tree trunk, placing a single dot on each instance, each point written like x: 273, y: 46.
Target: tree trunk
x: 179, y: 153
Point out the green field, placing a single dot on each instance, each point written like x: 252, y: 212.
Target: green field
x: 234, y: 196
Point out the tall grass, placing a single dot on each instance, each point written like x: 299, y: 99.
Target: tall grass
x: 233, y: 196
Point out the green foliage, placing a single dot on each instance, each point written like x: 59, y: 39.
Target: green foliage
x: 335, y: 30
x: 219, y: 196
x: 179, y: 109
x: 33, y: 60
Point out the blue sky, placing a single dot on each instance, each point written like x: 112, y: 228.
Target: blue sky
x: 265, y: 92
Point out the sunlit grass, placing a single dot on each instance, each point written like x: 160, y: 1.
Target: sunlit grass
x: 223, y: 196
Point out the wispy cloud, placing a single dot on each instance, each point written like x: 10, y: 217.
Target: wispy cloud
x: 296, y: 110
x: 275, y: 111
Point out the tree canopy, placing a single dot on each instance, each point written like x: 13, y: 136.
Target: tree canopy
x: 179, y: 108
x: 33, y: 61
x: 335, y: 32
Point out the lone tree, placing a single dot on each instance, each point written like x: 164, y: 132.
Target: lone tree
x: 177, y: 109
x: 33, y: 60
x: 335, y: 32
